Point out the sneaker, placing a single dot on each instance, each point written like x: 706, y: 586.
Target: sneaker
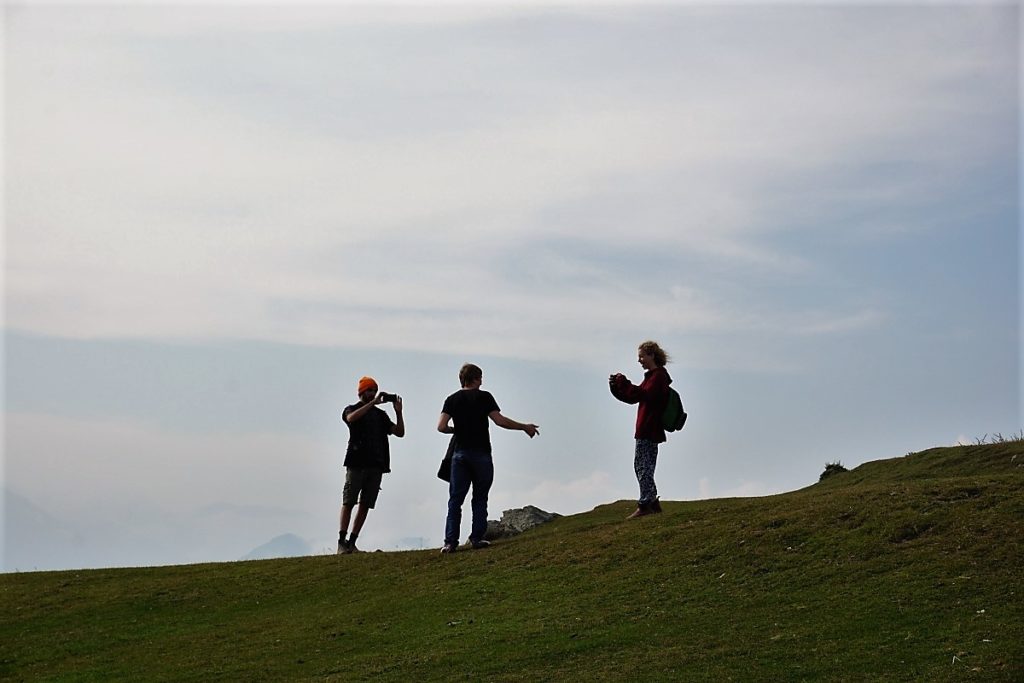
x: 478, y: 545
x: 449, y: 548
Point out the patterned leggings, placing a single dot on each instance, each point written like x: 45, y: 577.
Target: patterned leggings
x: 644, y: 463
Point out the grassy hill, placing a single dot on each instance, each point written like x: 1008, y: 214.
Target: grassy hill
x: 900, y: 570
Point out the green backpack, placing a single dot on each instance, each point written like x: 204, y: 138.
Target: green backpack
x: 674, y: 416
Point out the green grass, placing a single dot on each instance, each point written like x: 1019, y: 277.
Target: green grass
x: 899, y: 570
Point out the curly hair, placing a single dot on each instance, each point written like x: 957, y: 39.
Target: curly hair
x: 651, y: 348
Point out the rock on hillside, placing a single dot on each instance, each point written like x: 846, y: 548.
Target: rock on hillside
x: 517, y: 521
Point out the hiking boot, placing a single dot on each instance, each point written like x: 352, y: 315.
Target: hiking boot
x: 449, y: 548
x: 343, y: 548
x: 478, y: 545
x: 655, y: 505
x: 351, y: 545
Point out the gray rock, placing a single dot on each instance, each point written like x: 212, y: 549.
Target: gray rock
x: 526, y: 518
x: 496, y: 530
x: 517, y: 521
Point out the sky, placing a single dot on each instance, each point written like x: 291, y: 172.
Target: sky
x: 218, y: 217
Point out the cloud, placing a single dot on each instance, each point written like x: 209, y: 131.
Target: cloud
x: 218, y: 179
x: 86, y: 464
x: 745, y: 489
x: 565, y: 497
x: 249, y: 511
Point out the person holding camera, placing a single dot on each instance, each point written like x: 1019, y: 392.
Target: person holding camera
x: 652, y: 396
x: 469, y: 409
x: 368, y: 457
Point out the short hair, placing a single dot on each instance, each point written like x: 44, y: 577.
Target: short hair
x: 468, y: 373
x: 651, y: 348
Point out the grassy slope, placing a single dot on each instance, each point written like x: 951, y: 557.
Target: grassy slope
x: 905, y: 569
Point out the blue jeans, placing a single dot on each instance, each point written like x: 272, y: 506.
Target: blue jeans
x: 468, y: 467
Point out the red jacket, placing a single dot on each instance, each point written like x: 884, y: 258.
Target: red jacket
x: 652, y: 395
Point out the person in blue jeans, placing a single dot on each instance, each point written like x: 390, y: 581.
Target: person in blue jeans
x: 465, y: 414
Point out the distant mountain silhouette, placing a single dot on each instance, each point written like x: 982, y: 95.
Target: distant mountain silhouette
x: 33, y: 538
x: 285, y: 545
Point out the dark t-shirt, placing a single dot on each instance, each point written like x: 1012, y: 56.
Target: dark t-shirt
x: 368, y: 439
x: 469, y: 409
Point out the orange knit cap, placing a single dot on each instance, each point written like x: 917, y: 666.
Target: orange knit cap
x: 367, y: 383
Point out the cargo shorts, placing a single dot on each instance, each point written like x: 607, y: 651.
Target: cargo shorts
x: 362, y: 484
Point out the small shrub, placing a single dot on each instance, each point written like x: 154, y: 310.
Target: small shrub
x: 832, y: 468
x: 999, y: 438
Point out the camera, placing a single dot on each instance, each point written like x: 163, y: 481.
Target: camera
x: 387, y: 398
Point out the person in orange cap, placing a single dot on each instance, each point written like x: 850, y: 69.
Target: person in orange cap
x: 368, y: 456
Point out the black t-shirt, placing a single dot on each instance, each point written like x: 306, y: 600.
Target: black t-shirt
x: 368, y: 439
x: 469, y: 409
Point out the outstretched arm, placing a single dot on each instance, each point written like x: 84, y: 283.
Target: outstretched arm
x: 508, y: 423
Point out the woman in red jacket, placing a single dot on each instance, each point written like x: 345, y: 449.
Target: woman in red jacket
x: 652, y: 395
